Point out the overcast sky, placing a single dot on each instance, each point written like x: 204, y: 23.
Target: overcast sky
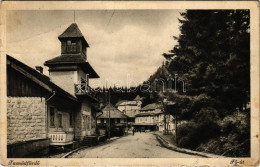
x: 122, y: 42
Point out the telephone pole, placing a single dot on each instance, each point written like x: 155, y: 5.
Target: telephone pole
x: 109, y: 125
x: 176, y: 141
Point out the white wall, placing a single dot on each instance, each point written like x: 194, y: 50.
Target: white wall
x: 144, y: 119
x: 64, y: 79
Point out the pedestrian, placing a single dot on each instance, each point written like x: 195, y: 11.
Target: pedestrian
x: 133, y: 131
x: 126, y: 131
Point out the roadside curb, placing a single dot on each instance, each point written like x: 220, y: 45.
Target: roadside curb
x: 106, y: 142
x: 182, y: 150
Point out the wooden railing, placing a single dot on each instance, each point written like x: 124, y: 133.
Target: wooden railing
x: 84, y: 88
x: 61, y: 138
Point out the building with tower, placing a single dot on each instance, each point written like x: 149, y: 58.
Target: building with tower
x: 71, y: 71
x: 55, y: 110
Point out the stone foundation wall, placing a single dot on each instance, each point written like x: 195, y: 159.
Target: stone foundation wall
x: 26, y: 119
x: 29, y: 149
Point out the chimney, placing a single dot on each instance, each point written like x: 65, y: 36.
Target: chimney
x: 39, y: 68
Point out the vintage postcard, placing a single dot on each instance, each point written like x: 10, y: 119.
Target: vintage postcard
x: 130, y: 83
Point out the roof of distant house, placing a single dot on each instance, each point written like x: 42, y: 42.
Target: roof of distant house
x: 152, y: 106
x: 152, y: 113
x: 119, y: 102
x: 145, y: 114
x: 128, y: 103
x: 73, y: 31
x: 41, y: 77
x: 138, y: 98
x: 145, y: 124
x: 114, y: 113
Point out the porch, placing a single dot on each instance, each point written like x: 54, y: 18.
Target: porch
x: 61, y: 138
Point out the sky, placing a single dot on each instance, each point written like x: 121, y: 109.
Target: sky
x: 126, y: 46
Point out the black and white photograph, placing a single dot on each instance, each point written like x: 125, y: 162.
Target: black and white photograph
x: 130, y: 83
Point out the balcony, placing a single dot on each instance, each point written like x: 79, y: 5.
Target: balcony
x: 61, y: 138
x: 85, y: 89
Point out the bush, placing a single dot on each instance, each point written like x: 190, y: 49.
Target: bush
x: 201, y: 129
x: 234, y: 140
x: 185, y: 135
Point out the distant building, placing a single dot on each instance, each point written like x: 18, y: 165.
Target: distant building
x: 151, y: 117
x: 146, y: 118
x: 118, y: 121
x: 130, y: 108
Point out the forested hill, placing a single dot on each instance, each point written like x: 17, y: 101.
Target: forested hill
x: 213, y: 57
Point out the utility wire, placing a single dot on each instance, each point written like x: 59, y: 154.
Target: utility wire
x: 107, y: 25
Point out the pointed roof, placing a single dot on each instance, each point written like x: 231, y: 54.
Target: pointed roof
x: 73, y: 31
x: 114, y: 113
x: 138, y: 98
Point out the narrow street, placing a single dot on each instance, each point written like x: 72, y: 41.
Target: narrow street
x: 141, y: 145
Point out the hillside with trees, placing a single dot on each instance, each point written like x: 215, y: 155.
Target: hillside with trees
x: 213, y: 56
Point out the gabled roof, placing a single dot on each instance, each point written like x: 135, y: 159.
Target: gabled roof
x: 41, y: 77
x: 73, y: 31
x: 114, y: 113
x: 152, y: 106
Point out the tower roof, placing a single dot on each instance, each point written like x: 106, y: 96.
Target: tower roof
x: 70, y: 60
x: 73, y: 31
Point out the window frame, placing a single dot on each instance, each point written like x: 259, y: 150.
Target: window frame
x: 71, y: 46
x: 52, y: 117
x: 118, y: 120
x: 59, y: 120
x: 71, y: 119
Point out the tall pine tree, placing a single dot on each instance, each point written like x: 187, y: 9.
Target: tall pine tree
x: 213, y: 54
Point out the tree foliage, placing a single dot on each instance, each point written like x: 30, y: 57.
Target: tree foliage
x: 213, y: 54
